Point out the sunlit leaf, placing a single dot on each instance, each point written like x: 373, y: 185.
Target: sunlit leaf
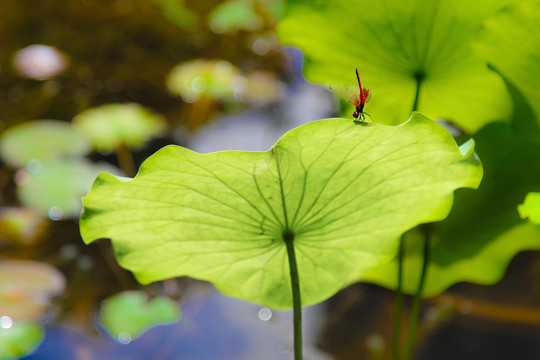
x: 111, y: 125
x: 41, y: 140
x: 484, y: 231
x: 345, y: 190
x: 531, y: 207
x: 509, y: 41
x: 127, y: 315
x: 393, y: 44
x: 19, y: 340
x: 55, y: 188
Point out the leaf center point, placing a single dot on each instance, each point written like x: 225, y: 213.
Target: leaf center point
x: 287, y: 236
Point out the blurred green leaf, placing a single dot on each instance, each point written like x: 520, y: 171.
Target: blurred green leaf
x: 54, y: 188
x: 345, y: 190
x: 42, y: 140
x: 127, y: 315
x: 21, y: 225
x: 234, y: 15
x: 531, y: 207
x: 483, y: 232
x: 111, y: 125
x: 393, y: 43
x: 179, y: 14
x: 19, y: 340
x: 261, y: 88
x: 30, y: 276
x: 509, y: 41
x: 26, y: 288
x: 214, y: 78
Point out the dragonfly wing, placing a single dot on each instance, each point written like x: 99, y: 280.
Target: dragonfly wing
x: 342, y: 91
x: 354, y: 96
x: 367, y: 95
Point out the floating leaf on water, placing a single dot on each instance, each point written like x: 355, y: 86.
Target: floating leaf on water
x: 39, y: 141
x: 56, y: 189
x: 21, y: 226
x: 20, y: 339
x: 26, y: 288
x: 111, y: 125
x: 128, y: 314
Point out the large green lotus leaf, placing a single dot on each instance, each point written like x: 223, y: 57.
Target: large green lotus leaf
x: 128, y: 314
x: 54, y: 188
x: 510, y: 43
x: 484, y: 231
x: 111, y: 125
x: 20, y: 339
x: 41, y: 140
x: 346, y: 191
x: 392, y: 43
x: 531, y: 207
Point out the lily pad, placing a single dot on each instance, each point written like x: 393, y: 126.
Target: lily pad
x: 54, y: 188
x: 216, y: 79
x: 41, y: 140
x: 21, y: 226
x: 531, y: 207
x: 510, y: 43
x: 20, y: 339
x: 26, y: 288
x: 31, y: 276
x: 260, y: 88
x: 233, y: 15
x: 345, y: 191
x: 127, y: 315
x: 483, y: 232
x: 111, y: 125
x: 396, y: 44
x: 179, y: 14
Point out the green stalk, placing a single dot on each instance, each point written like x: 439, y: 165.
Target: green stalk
x: 419, y: 75
x: 288, y: 236
x: 415, y: 312
x: 399, y: 299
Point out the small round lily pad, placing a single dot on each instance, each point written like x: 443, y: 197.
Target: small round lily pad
x: 42, y: 140
x: 127, y: 315
x: 21, y: 225
x: 216, y: 79
x: 26, y: 288
x: 19, y: 339
x: 111, y: 125
x: 55, y: 188
x: 233, y: 15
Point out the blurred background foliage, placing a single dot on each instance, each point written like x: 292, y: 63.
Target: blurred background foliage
x: 98, y: 85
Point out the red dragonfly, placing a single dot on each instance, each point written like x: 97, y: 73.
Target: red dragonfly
x: 350, y: 94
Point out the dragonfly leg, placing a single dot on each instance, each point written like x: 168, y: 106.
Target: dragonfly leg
x: 365, y: 113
